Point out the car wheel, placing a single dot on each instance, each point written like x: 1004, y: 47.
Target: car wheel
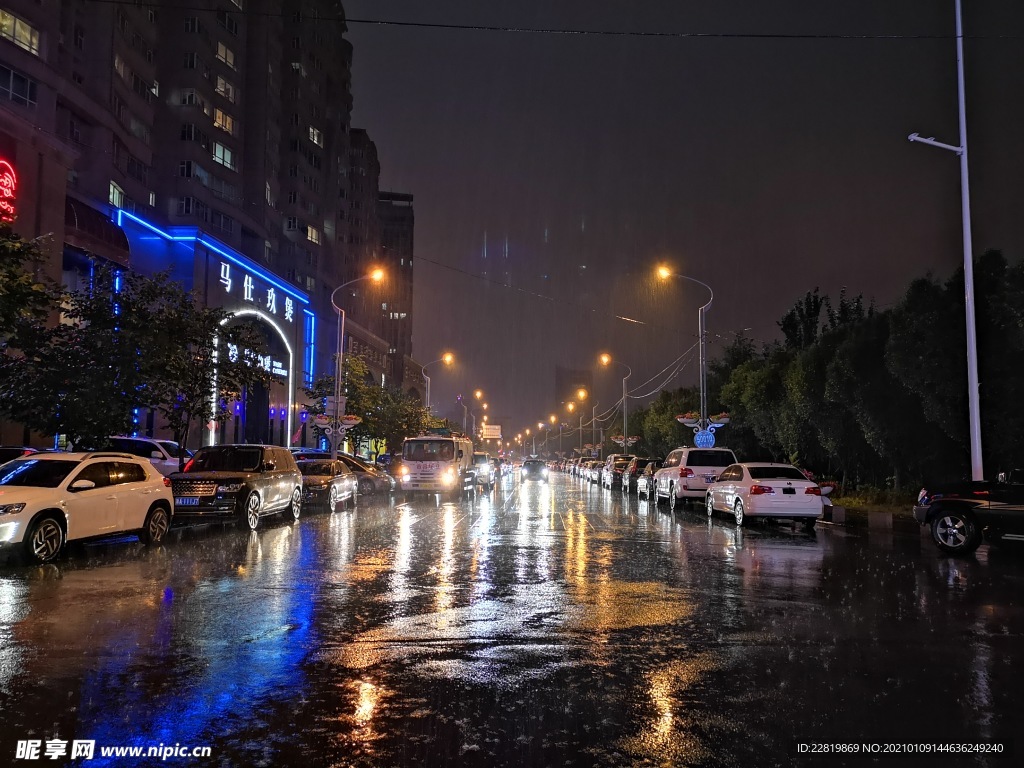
x: 294, y: 509
x: 673, y: 500
x: 250, y: 516
x: 366, y: 486
x: 739, y: 513
x: 332, y: 499
x: 710, y: 505
x: 156, y: 526
x: 956, y: 532
x: 45, y: 540
x: 809, y: 523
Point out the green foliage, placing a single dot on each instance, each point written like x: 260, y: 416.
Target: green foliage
x: 387, y: 414
x: 25, y: 299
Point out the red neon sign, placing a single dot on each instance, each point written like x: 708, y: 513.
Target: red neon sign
x: 8, y: 189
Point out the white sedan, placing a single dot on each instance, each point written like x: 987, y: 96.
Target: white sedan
x: 757, y: 489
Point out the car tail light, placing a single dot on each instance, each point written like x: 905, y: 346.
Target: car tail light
x: 167, y: 482
x: 813, y: 490
x: 758, y: 490
x: 188, y: 465
x: 685, y: 472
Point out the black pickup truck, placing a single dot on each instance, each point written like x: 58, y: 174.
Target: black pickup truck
x: 961, y: 514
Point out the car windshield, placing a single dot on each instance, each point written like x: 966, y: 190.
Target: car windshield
x: 429, y: 450
x: 621, y: 463
x: 477, y: 459
x: 709, y: 459
x: 224, y: 459
x: 317, y: 468
x: 533, y: 464
x: 35, y: 472
x: 174, y: 449
x: 776, y: 473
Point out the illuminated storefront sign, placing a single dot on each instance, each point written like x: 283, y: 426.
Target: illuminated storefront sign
x: 8, y: 191
x: 263, y: 296
x: 266, y: 362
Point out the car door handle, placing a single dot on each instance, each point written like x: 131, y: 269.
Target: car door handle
x: 111, y: 497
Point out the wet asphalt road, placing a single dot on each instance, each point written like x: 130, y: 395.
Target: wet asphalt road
x: 542, y: 626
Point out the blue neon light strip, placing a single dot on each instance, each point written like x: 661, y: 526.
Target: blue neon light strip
x: 220, y: 250
x: 310, y: 345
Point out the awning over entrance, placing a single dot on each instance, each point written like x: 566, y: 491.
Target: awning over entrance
x: 93, y: 231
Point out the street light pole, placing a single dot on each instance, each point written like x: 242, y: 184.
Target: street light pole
x: 606, y: 359
x: 447, y: 359
x: 664, y: 273
x: 973, y: 405
x: 377, y: 275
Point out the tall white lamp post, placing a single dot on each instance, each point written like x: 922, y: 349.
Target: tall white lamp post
x: 705, y: 437
x: 447, y: 358
x: 376, y: 275
x: 607, y: 360
x: 973, y: 405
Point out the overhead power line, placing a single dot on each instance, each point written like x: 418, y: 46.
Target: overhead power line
x: 519, y: 29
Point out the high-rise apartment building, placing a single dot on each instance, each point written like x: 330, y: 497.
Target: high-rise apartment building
x: 213, y: 140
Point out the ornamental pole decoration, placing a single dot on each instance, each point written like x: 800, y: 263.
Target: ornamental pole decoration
x: 704, y: 432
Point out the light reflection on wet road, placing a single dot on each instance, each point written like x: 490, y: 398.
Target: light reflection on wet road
x: 541, y: 626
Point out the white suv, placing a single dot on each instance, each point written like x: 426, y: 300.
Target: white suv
x: 687, y: 472
x: 163, y: 453
x: 49, y: 499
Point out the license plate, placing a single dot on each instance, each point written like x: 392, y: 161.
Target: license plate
x: 186, y: 501
x: 789, y: 491
x: 709, y: 478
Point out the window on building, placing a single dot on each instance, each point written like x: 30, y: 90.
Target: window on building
x: 227, y: 21
x: 226, y: 89
x: 192, y: 24
x: 191, y: 97
x: 226, y: 55
x: 79, y: 37
x: 152, y: 199
x: 224, y: 121
x: 115, y: 196
x: 313, y: 234
x: 19, y: 32
x: 122, y: 69
x: 223, y: 155
x: 221, y: 221
x: 191, y: 60
x: 291, y: 224
x: 18, y: 88
x: 293, y: 197
x: 139, y: 129
x: 316, y: 136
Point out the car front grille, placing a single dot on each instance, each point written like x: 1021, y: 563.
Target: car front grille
x: 194, y: 487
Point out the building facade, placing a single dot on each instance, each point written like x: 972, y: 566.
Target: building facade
x: 214, y: 140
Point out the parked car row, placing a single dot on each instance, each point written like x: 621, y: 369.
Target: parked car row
x: 713, y: 479
x: 50, y: 498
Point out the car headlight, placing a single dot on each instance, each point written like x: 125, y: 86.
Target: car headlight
x: 404, y: 471
x: 230, y: 488
x: 448, y: 477
x: 11, y: 509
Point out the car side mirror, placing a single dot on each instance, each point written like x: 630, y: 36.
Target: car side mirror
x: 156, y: 455
x: 460, y: 454
x: 269, y: 466
x: 1001, y: 477
x: 81, y: 485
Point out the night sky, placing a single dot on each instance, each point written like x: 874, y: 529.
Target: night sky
x: 764, y: 166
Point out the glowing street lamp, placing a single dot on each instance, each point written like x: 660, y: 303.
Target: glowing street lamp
x: 606, y: 360
x: 447, y: 358
x: 376, y: 276
x: 705, y: 432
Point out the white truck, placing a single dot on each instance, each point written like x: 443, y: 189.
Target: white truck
x: 440, y: 462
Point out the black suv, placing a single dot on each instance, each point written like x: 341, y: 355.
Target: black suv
x: 240, y: 482
x: 960, y: 514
